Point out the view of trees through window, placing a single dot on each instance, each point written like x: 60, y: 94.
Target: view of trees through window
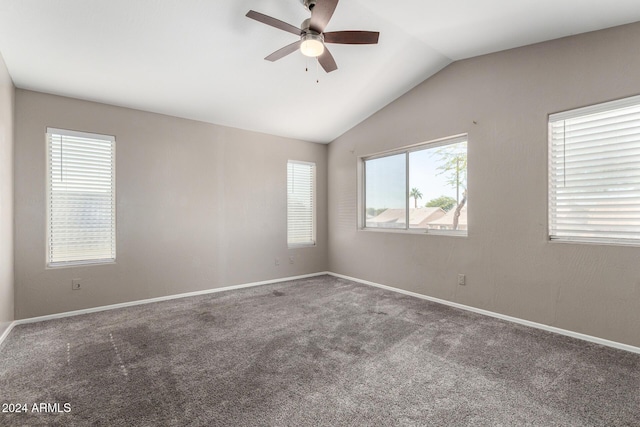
x: 424, y: 187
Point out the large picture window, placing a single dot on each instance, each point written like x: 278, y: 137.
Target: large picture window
x: 301, y: 218
x: 420, y: 188
x: 594, y: 173
x: 81, y: 203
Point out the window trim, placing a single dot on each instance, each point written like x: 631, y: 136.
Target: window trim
x: 573, y: 114
x: 314, y: 214
x: 361, y: 189
x: 76, y: 263
x: 595, y: 108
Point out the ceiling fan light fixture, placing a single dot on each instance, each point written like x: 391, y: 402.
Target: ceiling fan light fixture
x: 312, y: 36
x: 312, y: 45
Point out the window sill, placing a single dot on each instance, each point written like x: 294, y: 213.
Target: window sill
x: 577, y: 241
x: 55, y: 266
x: 446, y: 233
x: 301, y: 245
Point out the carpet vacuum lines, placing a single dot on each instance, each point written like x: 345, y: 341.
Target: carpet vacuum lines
x: 315, y: 351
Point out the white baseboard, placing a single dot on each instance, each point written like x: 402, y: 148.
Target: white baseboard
x: 6, y: 331
x: 158, y: 299
x: 544, y: 327
x: 548, y: 328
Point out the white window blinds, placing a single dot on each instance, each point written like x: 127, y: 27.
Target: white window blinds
x: 594, y: 168
x: 300, y: 203
x: 81, y: 211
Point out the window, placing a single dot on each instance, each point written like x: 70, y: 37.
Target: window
x: 81, y: 203
x: 419, y: 188
x: 594, y: 173
x: 301, y: 229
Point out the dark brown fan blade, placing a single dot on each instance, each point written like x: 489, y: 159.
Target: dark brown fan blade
x: 327, y: 61
x: 321, y: 14
x: 352, y: 37
x: 281, y: 53
x: 273, y: 22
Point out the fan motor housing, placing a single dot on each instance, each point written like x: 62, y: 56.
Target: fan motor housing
x: 308, y: 4
x: 304, y: 27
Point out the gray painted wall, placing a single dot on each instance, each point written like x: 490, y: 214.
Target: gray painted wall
x: 7, y: 93
x: 510, y: 265
x: 199, y: 206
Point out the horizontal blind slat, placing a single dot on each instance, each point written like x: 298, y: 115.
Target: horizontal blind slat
x: 300, y: 207
x: 81, y: 198
x: 594, y: 173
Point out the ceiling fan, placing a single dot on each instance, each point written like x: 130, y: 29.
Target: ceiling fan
x: 312, y: 36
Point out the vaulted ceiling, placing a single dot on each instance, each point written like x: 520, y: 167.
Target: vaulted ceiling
x: 203, y: 59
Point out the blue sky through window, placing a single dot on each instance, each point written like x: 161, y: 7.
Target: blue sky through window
x: 385, y: 179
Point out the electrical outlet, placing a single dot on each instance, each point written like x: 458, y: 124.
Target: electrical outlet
x: 291, y: 259
x: 277, y: 261
x: 461, y: 279
x: 75, y: 284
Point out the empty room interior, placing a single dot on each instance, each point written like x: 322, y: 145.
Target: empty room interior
x: 312, y: 212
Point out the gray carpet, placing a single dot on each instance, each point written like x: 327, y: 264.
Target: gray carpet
x: 320, y: 351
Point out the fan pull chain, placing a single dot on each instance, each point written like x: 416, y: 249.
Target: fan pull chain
x: 317, y: 78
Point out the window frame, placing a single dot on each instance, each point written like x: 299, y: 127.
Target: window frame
x: 314, y: 214
x: 75, y: 263
x: 569, y: 115
x: 361, y: 190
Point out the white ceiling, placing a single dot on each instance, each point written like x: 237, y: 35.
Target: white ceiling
x: 203, y: 59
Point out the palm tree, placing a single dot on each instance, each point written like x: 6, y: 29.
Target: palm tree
x: 416, y: 194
